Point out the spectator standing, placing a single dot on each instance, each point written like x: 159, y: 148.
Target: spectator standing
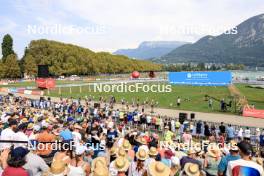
x: 244, y: 166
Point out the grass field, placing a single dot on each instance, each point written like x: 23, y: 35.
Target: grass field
x: 192, y: 97
x: 254, y: 96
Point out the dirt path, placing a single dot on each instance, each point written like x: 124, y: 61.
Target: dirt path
x: 242, y: 101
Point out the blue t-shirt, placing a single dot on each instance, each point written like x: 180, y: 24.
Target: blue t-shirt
x: 222, y: 166
x: 111, y: 135
x: 261, y: 140
x: 66, y: 134
x: 230, y: 132
x: 129, y: 117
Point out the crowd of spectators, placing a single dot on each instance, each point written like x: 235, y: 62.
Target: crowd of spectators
x: 79, y: 137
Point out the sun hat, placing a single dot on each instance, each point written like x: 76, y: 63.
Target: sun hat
x: 121, y: 164
x: 113, y: 151
x: 192, y: 169
x: 233, y: 146
x: 142, y: 140
x: 100, y: 171
x: 153, y: 151
x: 121, y: 152
x: 57, y: 168
x: 191, y: 151
x: 126, y: 145
x: 98, y: 162
x: 24, y: 120
x: 142, y: 154
x: 213, y: 150
x: 157, y: 168
x: 30, y: 126
x: 259, y: 161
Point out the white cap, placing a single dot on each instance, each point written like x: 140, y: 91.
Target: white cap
x: 36, y: 127
x: 175, y: 161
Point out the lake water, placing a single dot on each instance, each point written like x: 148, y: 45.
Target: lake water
x: 251, y: 75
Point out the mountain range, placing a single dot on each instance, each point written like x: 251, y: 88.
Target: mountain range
x: 243, y: 45
x: 150, y: 49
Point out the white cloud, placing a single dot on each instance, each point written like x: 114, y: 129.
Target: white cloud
x: 129, y: 22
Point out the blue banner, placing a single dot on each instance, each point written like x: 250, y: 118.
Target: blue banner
x: 201, y: 78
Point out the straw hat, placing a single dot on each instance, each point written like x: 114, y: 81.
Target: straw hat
x: 57, y: 167
x: 121, y: 164
x: 100, y: 171
x: 142, y: 155
x: 121, y: 152
x: 153, y: 151
x: 24, y: 120
x: 191, y: 151
x: 259, y: 161
x: 142, y: 140
x: 191, y: 169
x: 159, y: 169
x: 213, y: 151
x: 126, y: 145
x: 30, y: 126
x: 113, y: 151
x: 99, y: 162
x: 233, y: 146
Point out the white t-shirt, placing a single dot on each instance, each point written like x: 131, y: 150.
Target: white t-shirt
x: 7, y: 134
x: 240, y: 133
x: 243, y: 167
x: 247, y: 133
x: 20, y: 136
x: 4, y: 117
x: 148, y: 119
x: 77, y: 137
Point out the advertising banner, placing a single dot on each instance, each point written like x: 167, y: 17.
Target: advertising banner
x: 201, y: 78
x: 252, y: 112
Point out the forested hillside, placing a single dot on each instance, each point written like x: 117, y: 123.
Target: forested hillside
x: 68, y: 59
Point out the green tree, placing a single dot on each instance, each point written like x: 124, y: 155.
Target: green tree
x: 7, y: 46
x: 2, y: 69
x: 30, y: 66
x: 11, y: 67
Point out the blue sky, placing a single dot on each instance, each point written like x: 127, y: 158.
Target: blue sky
x: 107, y: 25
